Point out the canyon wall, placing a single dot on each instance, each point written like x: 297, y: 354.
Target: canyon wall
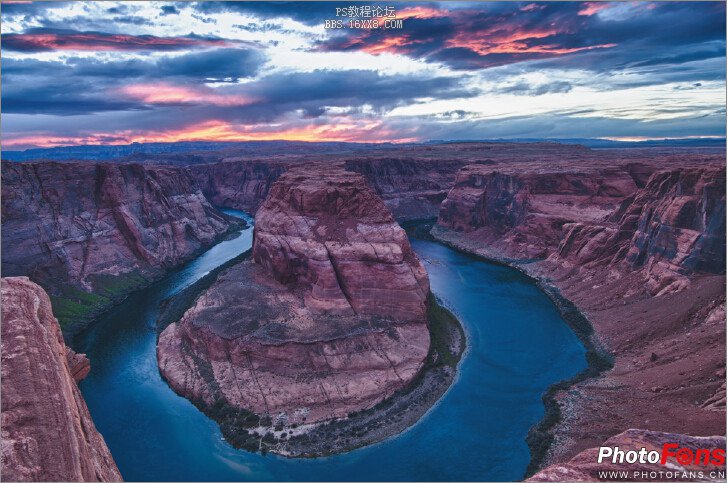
x: 91, y: 233
x: 328, y: 319
x: 241, y: 185
x: 411, y: 188
x: 520, y: 214
x: 673, y: 227
x: 640, y: 252
x: 47, y: 432
x: 412, y: 180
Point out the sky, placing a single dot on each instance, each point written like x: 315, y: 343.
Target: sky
x: 121, y: 72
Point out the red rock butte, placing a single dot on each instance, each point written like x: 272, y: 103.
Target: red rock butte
x: 340, y: 325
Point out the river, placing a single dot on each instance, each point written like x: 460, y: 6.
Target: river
x: 518, y: 345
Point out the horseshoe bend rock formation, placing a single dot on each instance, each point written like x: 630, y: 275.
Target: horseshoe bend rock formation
x: 329, y: 318
x: 90, y: 233
x: 47, y: 431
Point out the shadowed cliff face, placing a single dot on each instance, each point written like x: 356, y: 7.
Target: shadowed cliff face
x: 329, y: 318
x: 411, y: 188
x: 47, y: 432
x: 668, y: 230
x: 521, y: 214
x: 90, y: 233
x: 241, y: 185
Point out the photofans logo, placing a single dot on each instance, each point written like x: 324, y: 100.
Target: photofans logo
x: 674, y: 462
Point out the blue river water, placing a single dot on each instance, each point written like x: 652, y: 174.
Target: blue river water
x: 517, y: 346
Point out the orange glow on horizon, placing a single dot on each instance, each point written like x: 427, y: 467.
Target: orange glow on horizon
x: 371, y: 132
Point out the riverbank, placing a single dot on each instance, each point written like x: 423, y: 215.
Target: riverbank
x: 246, y: 430
x: 75, y: 317
x: 541, y: 437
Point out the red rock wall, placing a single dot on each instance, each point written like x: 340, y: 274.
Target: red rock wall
x: 47, y: 432
x: 241, y: 185
x: 670, y: 229
x: 100, y: 228
x: 649, y: 274
x: 521, y: 214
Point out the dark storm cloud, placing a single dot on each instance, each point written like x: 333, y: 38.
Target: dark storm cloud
x: 85, y: 85
x: 63, y: 98
x: 314, y: 93
x: 45, y: 40
x: 217, y: 64
x: 352, y: 87
x: 82, y: 85
x: 29, y: 8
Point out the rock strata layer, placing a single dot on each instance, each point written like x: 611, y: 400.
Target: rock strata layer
x: 522, y: 214
x: 47, y: 432
x: 328, y: 319
x: 90, y: 233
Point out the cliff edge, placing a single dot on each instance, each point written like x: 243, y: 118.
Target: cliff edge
x: 47, y: 431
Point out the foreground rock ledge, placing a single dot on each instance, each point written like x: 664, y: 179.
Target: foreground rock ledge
x: 328, y: 320
x: 47, y: 432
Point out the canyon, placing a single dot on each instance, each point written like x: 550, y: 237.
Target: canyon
x: 90, y: 233
x: 631, y: 242
x: 328, y: 319
x: 47, y: 431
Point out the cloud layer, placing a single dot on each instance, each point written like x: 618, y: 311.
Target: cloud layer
x: 138, y: 71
